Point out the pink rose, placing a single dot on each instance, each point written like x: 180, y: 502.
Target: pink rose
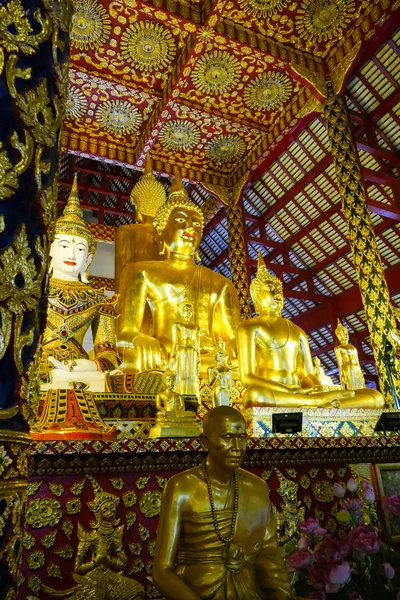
x: 338, y: 490
x: 391, y: 504
x: 340, y: 573
x: 303, y: 542
x: 299, y: 560
x: 351, y: 485
x: 364, y: 539
x: 310, y: 526
x: 389, y: 571
x: 330, y: 553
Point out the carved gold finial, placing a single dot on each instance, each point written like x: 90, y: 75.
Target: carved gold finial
x: 341, y: 332
x: 148, y: 194
x: 100, y: 496
x: 71, y: 222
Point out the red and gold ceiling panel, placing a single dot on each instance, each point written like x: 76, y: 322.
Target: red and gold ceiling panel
x: 103, y: 118
x: 314, y: 26
x: 129, y: 42
x: 210, y: 145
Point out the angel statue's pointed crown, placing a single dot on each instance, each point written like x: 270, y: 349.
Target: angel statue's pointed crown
x: 262, y: 276
x: 100, y: 496
x: 71, y: 222
x: 148, y: 194
x: 178, y: 198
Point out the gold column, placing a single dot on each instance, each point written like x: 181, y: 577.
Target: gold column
x: 366, y: 257
x: 34, y: 51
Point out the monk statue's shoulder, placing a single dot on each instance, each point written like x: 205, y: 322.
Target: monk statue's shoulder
x: 254, y: 483
x: 185, y: 480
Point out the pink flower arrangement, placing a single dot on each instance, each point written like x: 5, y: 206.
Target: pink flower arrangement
x: 300, y: 559
x: 391, y: 504
x: 364, y: 539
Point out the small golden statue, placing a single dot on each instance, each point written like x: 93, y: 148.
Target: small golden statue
x: 172, y: 420
x: 137, y: 242
x: 220, y: 376
x: 162, y: 285
x: 185, y: 353
x: 274, y: 355
x: 217, y: 534
x: 290, y: 515
x: 324, y: 380
x: 351, y: 376
x: 95, y: 577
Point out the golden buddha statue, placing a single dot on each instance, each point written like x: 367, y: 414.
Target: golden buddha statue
x: 185, y: 353
x: 95, y: 578
x: 220, y: 376
x: 351, y: 376
x: 137, y: 242
x: 73, y: 308
x: 274, y: 355
x: 216, y: 535
x: 324, y: 380
x: 163, y: 285
x: 172, y: 420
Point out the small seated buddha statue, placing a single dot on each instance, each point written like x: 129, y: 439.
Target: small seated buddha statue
x: 275, y: 360
x: 172, y: 420
x: 217, y: 533
x: 95, y: 575
x: 324, y: 380
x: 73, y: 308
x: 164, y: 285
x: 351, y: 375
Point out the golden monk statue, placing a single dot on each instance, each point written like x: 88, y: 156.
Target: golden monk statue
x: 137, y: 242
x: 274, y: 355
x: 351, y: 376
x: 163, y: 285
x: 216, y: 535
x: 220, y: 376
x: 185, y: 353
x: 172, y: 420
x: 95, y: 575
x: 74, y: 307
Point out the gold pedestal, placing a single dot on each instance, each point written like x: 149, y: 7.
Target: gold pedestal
x: 175, y: 428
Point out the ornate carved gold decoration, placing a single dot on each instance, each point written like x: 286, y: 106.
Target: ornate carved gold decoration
x: 312, y: 105
x: 262, y: 9
x: 180, y: 134
x: 49, y: 539
x: 225, y: 148
x: 44, y: 512
x: 73, y: 506
x: 8, y: 176
x: 117, y: 483
x: 375, y: 294
x: 238, y: 255
x: 340, y: 71
x: 268, y: 91
x: 150, y: 503
x: 148, y: 45
x: 36, y: 559
x: 129, y: 498
x: 142, y: 482
x: 77, y: 103
x: 323, y: 491
x: 119, y: 116
x: 77, y: 488
x: 91, y: 25
x: 291, y: 513
x: 56, y: 488
x: 216, y: 72
x: 68, y: 528
x: 323, y: 20
x: 66, y: 552
x: 315, y: 78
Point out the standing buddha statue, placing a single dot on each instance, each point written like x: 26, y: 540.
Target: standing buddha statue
x: 163, y: 285
x: 74, y: 307
x: 185, y: 353
x: 220, y: 377
x: 95, y: 575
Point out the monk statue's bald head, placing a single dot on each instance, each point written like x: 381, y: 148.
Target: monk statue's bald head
x: 216, y: 416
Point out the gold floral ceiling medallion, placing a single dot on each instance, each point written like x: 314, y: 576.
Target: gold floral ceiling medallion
x: 77, y: 103
x: 119, y: 116
x: 91, y: 25
x: 323, y: 20
x: 181, y: 135
x: 225, y: 148
x: 216, y: 72
x: 268, y: 91
x: 149, y: 46
x: 262, y: 9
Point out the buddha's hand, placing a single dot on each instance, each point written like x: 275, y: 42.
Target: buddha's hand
x: 76, y: 366
x: 101, y: 560
x: 148, y: 351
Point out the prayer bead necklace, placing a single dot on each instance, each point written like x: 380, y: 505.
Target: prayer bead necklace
x: 214, y: 512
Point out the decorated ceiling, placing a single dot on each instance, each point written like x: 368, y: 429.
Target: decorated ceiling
x: 209, y: 87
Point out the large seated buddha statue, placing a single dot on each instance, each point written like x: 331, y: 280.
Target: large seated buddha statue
x: 138, y: 241
x: 164, y: 285
x: 275, y: 358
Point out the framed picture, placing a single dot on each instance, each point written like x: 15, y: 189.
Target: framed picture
x: 388, y: 476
